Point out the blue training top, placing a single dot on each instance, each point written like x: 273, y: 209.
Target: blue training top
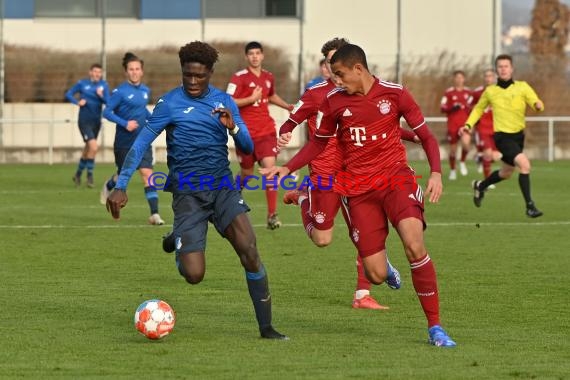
x: 196, y: 140
x: 87, y: 90
x: 127, y: 102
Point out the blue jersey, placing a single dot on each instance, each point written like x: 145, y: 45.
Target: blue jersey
x: 87, y: 90
x: 196, y: 140
x: 314, y: 81
x: 127, y: 102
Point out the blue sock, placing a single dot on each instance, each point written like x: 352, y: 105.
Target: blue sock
x: 259, y: 292
x: 90, y: 165
x: 82, y: 164
x: 152, y: 199
x: 111, y: 183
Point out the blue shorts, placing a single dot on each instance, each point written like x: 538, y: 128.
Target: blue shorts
x: 89, y: 129
x: 193, y: 211
x: 121, y: 153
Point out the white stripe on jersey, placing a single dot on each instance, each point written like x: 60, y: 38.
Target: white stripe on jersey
x: 334, y: 91
x: 390, y: 84
x: 317, y: 85
x: 422, y: 123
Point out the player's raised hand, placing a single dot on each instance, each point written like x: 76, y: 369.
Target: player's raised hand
x: 226, y: 117
x: 434, y: 187
x: 279, y: 171
x: 116, y: 201
x: 257, y: 94
x: 284, y: 139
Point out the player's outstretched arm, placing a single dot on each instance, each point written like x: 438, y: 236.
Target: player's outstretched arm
x: 116, y: 201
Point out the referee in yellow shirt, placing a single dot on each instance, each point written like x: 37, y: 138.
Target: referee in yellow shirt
x: 508, y: 99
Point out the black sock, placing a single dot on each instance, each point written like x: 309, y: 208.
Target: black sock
x: 524, y: 183
x: 490, y: 180
x: 258, y: 286
x: 152, y: 199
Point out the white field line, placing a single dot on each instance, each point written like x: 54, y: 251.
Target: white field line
x: 288, y: 225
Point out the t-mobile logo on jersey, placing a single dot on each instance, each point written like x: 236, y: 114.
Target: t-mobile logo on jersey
x: 358, y: 134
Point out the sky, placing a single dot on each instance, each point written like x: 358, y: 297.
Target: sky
x: 518, y: 12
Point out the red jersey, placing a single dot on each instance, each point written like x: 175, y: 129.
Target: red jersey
x: 328, y: 162
x: 256, y: 116
x: 369, y: 130
x: 455, y: 103
x: 485, y: 123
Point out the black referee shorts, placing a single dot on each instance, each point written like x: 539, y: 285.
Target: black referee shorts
x: 510, y: 145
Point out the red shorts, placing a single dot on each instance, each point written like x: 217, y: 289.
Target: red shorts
x: 485, y: 141
x: 369, y: 213
x: 453, y: 134
x: 264, y: 146
x: 324, y: 205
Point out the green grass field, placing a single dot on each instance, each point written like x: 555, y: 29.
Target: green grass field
x: 71, y: 279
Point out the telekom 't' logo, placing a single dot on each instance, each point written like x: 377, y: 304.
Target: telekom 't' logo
x: 358, y: 134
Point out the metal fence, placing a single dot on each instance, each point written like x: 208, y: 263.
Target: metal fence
x: 57, y: 140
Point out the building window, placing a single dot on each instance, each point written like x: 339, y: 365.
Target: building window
x: 87, y: 8
x: 281, y: 8
x: 250, y: 8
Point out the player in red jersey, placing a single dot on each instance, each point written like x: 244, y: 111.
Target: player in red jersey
x: 253, y: 88
x: 320, y: 205
x: 364, y: 114
x: 455, y: 103
x: 484, y: 127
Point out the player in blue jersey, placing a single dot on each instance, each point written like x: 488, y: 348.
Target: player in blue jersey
x: 321, y: 78
x: 93, y: 93
x: 127, y: 109
x: 198, y: 118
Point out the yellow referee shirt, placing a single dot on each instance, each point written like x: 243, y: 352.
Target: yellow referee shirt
x: 508, y: 105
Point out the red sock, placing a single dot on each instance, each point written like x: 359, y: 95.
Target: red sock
x: 306, y: 217
x: 362, y: 282
x: 271, y: 195
x: 452, y: 161
x: 425, y: 283
x: 487, y: 167
x: 464, y: 154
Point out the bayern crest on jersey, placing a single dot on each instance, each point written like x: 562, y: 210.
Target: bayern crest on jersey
x: 268, y: 84
x: 384, y: 106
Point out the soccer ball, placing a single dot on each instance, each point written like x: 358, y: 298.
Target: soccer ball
x: 154, y: 319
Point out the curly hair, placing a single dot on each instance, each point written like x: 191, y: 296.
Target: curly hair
x: 130, y: 57
x: 334, y: 44
x: 200, y: 52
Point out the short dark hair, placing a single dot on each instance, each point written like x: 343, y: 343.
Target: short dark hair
x: 253, y: 45
x: 456, y: 72
x: 334, y: 44
x: 130, y: 57
x: 200, y: 52
x: 350, y: 55
x: 95, y: 66
x: 501, y: 57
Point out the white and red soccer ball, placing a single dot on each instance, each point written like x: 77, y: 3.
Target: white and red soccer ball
x: 154, y: 319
